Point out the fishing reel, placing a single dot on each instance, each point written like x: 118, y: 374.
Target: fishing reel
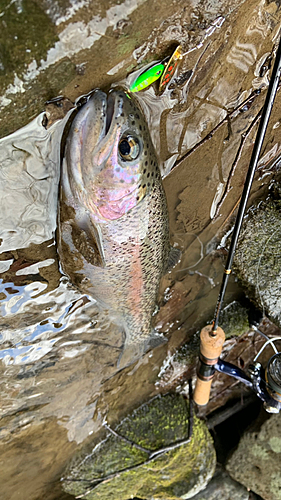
x: 266, y: 383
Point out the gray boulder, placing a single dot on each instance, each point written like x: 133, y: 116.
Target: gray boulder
x: 256, y: 462
x: 224, y: 488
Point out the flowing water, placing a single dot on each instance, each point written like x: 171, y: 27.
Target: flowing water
x: 59, y: 352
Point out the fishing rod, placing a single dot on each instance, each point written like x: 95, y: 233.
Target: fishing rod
x: 212, y: 337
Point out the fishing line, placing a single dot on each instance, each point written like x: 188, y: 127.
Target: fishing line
x: 201, y: 253
x: 269, y: 341
x: 253, y: 327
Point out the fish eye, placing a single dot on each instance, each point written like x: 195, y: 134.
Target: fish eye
x: 129, y: 148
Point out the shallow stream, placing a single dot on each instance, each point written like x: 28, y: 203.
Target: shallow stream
x: 58, y: 350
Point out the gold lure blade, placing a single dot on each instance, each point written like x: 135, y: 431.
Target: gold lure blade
x: 170, y: 68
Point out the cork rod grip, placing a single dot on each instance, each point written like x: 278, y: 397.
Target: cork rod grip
x: 202, y: 391
x: 210, y: 349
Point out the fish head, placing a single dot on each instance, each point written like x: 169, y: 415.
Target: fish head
x: 111, y: 162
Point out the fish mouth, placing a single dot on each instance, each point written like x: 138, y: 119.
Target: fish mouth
x: 112, y: 110
x: 110, y: 106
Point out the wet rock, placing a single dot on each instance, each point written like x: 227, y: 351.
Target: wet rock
x: 258, y: 259
x: 224, y: 488
x: 70, y: 47
x: 43, y: 54
x: 256, y: 462
x: 55, y: 110
x: 116, y: 469
x: 178, y: 367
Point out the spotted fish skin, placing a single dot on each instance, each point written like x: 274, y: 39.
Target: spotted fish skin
x: 113, y: 237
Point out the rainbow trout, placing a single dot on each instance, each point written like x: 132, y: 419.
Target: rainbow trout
x: 113, y: 228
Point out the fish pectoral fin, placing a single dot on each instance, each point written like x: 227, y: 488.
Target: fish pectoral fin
x: 86, y: 240
x: 173, y: 258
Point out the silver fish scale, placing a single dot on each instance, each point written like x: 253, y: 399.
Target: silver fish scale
x: 129, y: 283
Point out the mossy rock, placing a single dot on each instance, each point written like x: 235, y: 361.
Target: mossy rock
x: 128, y: 472
x: 234, y: 320
x: 258, y: 258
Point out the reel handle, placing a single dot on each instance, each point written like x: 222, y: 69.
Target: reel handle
x: 211, y: 344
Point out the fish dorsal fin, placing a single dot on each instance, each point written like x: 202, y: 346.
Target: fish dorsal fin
x: 173, y: 258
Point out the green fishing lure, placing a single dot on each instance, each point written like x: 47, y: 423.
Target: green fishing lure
x: 147, y: 77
